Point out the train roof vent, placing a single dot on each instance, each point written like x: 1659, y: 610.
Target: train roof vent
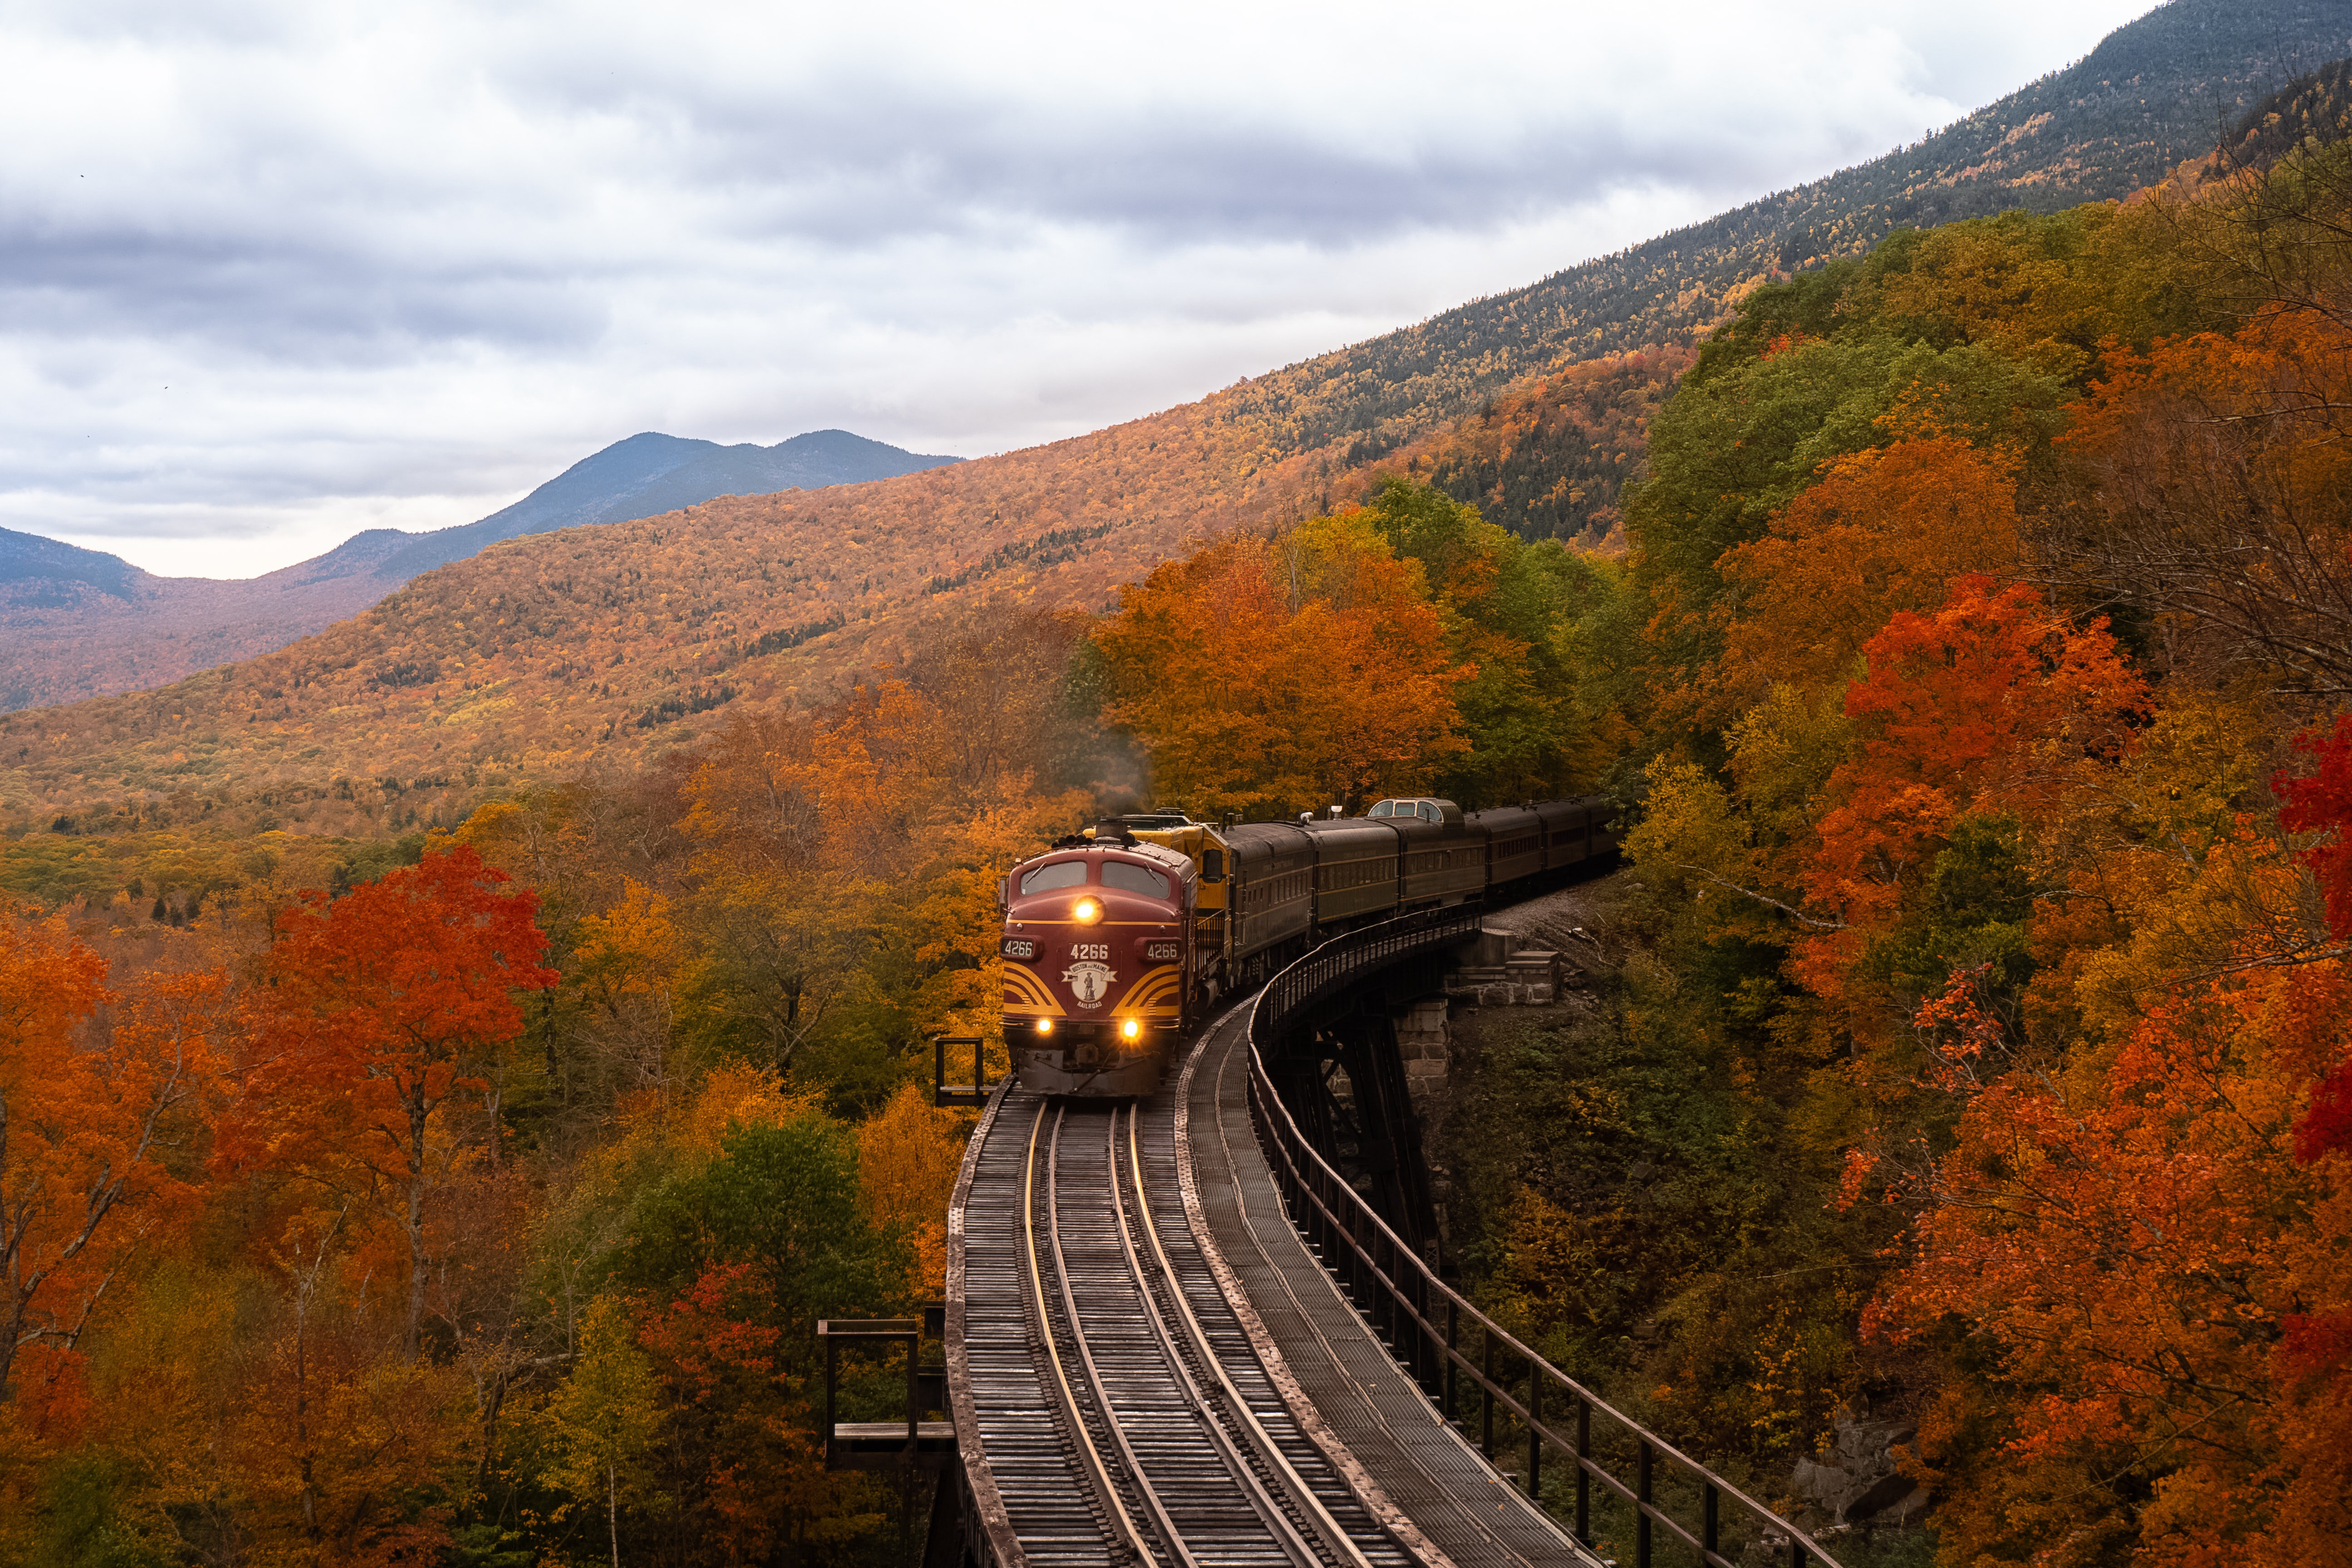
x: 1427, y: 808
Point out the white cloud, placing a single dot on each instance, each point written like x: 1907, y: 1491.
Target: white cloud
x: 269, y: 274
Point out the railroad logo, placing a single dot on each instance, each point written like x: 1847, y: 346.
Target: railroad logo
x: 1088, y: 982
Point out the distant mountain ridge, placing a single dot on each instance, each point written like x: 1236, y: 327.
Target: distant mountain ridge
x: 30, y: 558
x: 2155, y: 93
x: 649, y: 474
x: 533, y: 661
x: 78, y: 623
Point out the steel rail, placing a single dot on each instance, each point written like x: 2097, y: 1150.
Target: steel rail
x: 1262, y: 1501
x: 1317, y: 975
x: 1130, y: 1535
x: 1342, y: 1544
x: 1113, y: 1465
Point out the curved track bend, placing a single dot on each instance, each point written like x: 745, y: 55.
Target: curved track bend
x: 1122, y: 1418
x: 1117, y: 1397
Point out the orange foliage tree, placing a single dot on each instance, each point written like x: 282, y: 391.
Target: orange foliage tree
x: 336, y: 1452
x: 882, y: 823
x: 1885, y: 529
x: 386, y: 1005
x: 908, y: 1153
x: 91, y: 1118
x: 1992, y: 703
x: 1299, y: 672
x: 2213, y: 490
x: 2154, y: 1287
x: 746, y: 1474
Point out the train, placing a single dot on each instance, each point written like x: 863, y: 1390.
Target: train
x: 1120, y: 939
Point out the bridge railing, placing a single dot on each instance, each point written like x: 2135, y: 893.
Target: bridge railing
x: 1428, y: 1321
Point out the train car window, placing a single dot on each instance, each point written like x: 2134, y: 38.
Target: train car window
x: 1213, y: 865
x: 1060, y: 874
x: 1133, y: 879
x: 1426, y: 812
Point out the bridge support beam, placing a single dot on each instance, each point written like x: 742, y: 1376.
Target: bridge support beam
x: 1346, y: 1084
x: 944, y: 1545
x: 1312, y: 1002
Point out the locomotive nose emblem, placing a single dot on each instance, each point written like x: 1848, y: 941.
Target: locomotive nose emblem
x: 1088, y: 982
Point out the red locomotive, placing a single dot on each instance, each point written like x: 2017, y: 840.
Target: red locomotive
x: 1098, y: 963
x: 1115, y: 942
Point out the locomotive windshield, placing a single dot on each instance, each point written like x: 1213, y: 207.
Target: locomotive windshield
x: 1130, y: 878
x: 1055, y: 874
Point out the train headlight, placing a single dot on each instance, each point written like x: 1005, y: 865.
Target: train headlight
x: 1085, y: 912
x: 1045, y: 1026
x: 1131, y: 1030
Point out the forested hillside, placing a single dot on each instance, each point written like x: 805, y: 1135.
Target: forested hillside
x: 1992, y: 846
x: 1963, y: 1153
x: 1550, y: 457
x: 79, y: 623
x: 2155, y: 93
x: 541, y: 654
x: 2315, y: 107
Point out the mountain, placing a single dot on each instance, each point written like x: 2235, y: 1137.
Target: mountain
x: 650, y: 474
x: 43, y: 572
x: 78, y: 623
x: 2155, y: 93
x: 546, y: 655
x: 2317, y: 106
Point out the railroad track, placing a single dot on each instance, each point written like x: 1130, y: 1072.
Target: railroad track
x: 1428, y: 1469
x: 1125, y: 1420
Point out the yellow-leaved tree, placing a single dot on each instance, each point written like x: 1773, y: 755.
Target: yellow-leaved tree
x: 602, y: 1425
x: 907, y: 1156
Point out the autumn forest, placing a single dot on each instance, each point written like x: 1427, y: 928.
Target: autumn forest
x: 1963, y: 626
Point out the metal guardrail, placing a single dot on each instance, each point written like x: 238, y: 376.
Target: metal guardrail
x: 1332, y: 967
x: 1403, y: 1295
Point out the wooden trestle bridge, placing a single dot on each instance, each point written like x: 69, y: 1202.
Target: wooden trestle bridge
x: 1176, y: 1335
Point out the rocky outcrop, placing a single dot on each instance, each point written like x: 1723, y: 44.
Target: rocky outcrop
x: 1496, y: 971
x: 1860, y: 1479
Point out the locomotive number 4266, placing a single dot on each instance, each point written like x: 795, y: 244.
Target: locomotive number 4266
x: 1091, y: 949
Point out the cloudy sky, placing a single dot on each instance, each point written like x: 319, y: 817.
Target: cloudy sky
x: 277, y: 270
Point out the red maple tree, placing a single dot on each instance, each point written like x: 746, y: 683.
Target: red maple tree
x: 383, y: 1006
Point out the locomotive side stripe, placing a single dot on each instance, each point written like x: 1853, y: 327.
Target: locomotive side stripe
x: 1023, y: 991
x: 1156, y: 989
